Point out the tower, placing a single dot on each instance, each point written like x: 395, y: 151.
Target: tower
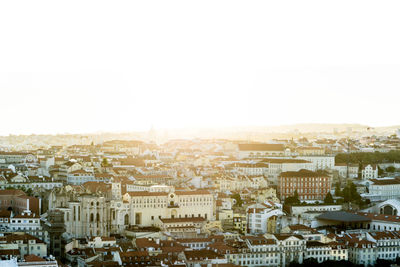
x: 55, y: 227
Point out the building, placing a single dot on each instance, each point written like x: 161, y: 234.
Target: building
x: 28, y: 222
x: 279, y: 165
x: 326, y: 162
x: 382, y: 189
x: 309, y: 185
x: 326, y: 251
x: 261, y: 251
x: 55, y: 227
x: 260, y: 150
x: 341, y: 168
x: 79, y: 177
x: 18, y: 201
x: 310, y: 151
x: 291, y: 248
x: 251, y: 168
x: 25, y: 244
x: 149, y: 207
x: 369, y: 172
x: 387, y: 244
x: 262, y: 218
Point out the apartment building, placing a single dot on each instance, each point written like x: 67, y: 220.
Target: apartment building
x: 369, y: 172
x: 308, y: 184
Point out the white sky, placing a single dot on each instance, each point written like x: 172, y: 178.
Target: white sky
x: 85, y: 66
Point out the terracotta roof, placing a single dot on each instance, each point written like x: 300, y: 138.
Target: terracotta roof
x: 386, y: 181
x: 197, y: 192
x: 33, y: 258
x: 379, y: 217
x: 303, y: 173
x: 387, y: 235
x: 261, y: 147
x: 12, y: 192
x: 286, y: 236
x: 194, y: 255
x: 178, y: 220
x: 26, y: 215
x: 286, y: 161
x: 146, y: 194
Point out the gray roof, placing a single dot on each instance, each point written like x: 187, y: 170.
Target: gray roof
x: 342, y: 216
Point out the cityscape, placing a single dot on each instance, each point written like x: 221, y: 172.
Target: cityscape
x: 212, y: 133
x: 97, y: 200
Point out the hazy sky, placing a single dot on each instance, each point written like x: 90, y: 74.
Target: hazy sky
x: 85, y: 66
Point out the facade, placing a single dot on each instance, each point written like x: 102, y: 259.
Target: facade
x: 308, y: 184
x: 25, y: 244
x: 341, y: 168
x: 310, y: 151
x: 262, y: 218
x: 325, y: 251
x: 85, y: 213
x: 279, y: 165
x: 369, y: 172
x: 326, y: 162
x: 387, y: 244
x: 79, y: 177
x: 252, y: 169
x: 29, y: 223
x: 18, y: 201
x: 150, y: 207
x: 55, y: 227
x: 383, y: 189
x: 260, y: 150
x: 260, y: 251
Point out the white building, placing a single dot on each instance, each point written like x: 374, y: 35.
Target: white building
x: 29, y: 223
x: 262, y: 218
x: 320, y: 162
x: 325, y: 251
x: 79, y: 177
x: 387, y: 243
x: 262, y: 252
x: 260, y: 150
x: 369, y: 172
x: 150, y: 207
x: 382, y: 189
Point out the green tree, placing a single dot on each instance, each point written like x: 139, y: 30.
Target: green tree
x: 380, y: 171
x: 293, y: 200
x: 104, y: 162
x: 390, y: 169
x: 29, y: 192
x: 238, y: 198
x: 329, y: 199
x: 338, y: 191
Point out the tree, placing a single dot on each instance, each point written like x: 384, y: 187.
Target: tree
x: 338, y: 191
x: 293, y: 200
x: 29, y: 192
x: 239, y: 201
x: 390, y: 169
x: 380, y: 171
x: 104, y: 162
x: 329, y: 199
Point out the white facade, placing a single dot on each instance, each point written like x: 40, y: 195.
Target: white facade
x: 150, y: 207
x: 382, y: 189
x: 369, y: 172
x: 259, y: 215
x: 320, y: 162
